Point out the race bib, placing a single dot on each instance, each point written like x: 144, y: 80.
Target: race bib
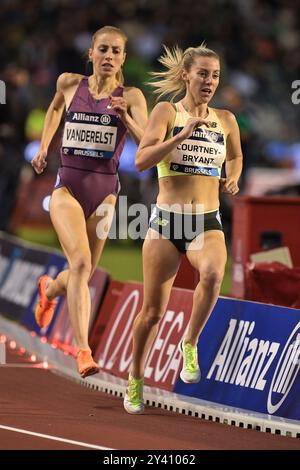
x: 201, y: 154
x: 90, y: 135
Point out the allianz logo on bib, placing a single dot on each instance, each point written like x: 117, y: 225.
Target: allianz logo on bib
x: 213, y: 137
x: 105, y: 119
x: 244, y: 360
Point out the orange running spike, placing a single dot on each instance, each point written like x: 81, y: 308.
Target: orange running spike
x: 45, y: 308
x: 86, y: 364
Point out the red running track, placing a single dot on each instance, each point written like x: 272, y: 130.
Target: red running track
x: 39, y: 401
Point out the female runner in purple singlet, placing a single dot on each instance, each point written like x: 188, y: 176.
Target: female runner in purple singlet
x: 99, y: 113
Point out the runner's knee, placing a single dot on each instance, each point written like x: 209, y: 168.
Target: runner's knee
x: 81, y: 263
x: 152, y: 314
x: 212, y: 277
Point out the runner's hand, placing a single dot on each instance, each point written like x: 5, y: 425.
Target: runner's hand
x: 39, y: 161
x: 192, y: 124
x: 119, y: 104
x: 229, y: 186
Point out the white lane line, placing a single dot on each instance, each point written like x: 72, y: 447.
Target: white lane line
x: 54, y: 438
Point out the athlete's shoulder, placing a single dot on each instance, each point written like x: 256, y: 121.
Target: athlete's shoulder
x: 132, y: 93
x: 225, y: 115
x: 164, y: 111
x: 67, y: 79
x: 165, y: 107
x: 132, y: 90
x: 227, y: 120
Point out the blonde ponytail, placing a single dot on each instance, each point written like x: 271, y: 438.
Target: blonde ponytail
x: 170, y: 81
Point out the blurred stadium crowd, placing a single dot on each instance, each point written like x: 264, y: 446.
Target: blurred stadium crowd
x: 258, y: 41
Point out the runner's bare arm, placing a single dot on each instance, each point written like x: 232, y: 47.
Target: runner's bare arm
x: 54, y: 112
x: 132, y: 109
x: 51, y: 123
x: 234, y: 156
x: 66, y: 82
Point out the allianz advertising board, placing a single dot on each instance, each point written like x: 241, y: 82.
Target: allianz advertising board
x: 249, y: 358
